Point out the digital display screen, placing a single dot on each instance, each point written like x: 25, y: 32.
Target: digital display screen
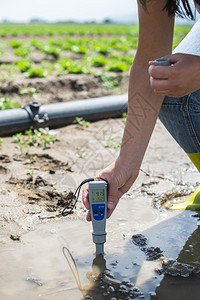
x: 98, y: 196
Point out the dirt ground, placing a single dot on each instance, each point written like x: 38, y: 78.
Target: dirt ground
x: 35, y: 186
x: 63, y: 88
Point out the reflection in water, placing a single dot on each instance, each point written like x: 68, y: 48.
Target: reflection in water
x: 177, y: 287
x: 102, y: 285
x: 191, y: 250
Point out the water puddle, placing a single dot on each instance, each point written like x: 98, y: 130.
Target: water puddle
x: 146, y: 253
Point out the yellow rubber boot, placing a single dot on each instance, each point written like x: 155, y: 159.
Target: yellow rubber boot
x: 195, y: 158
x: 193, y: 202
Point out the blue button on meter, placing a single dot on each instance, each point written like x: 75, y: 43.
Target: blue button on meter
x: 98, y: 211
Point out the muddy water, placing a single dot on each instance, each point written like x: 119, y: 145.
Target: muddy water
x: 35, y: 267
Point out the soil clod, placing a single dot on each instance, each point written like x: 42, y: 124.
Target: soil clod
x: 5, y: 158
x: 3, y: 170
x: 15, y: 237
x: 139, y: 240
x: 152, y: 253
x: 175, y: 268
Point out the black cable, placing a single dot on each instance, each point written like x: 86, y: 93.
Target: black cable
x: 71, y: 206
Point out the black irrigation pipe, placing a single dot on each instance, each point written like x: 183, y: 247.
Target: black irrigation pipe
x: 60, y: 114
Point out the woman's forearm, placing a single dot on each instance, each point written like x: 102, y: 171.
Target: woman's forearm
x: 143, y: 109
x: 155, y: 40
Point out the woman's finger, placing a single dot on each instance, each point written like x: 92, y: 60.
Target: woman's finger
x: 85, y: 197
x: 88, y: 217
x: 110, y: 207
x: 159, y: 84
x: 163, y: 92
x: 160, y: 72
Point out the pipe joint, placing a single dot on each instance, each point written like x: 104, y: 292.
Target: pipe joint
x: 35, y: 113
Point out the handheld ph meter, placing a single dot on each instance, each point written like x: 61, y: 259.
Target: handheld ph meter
x: 98, y: 211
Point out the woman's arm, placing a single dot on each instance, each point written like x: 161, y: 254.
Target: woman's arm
x: 155, y: 40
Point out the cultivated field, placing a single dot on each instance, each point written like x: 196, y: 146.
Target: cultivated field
x: 40, y: 170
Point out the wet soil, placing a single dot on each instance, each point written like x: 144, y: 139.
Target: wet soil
x: 37, y: 267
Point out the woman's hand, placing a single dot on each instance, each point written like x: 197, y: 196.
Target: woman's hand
x: 179, y: 79
x: 120, y: 178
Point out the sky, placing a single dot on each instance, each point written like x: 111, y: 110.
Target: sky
x: 76, y: 10
x: 54, y: 10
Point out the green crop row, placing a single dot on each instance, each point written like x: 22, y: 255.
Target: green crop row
x: 86, y: 65
x: 81, y: 45
x: 42, y: 29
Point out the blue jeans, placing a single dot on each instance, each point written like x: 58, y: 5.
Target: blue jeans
x: 181, y: 116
